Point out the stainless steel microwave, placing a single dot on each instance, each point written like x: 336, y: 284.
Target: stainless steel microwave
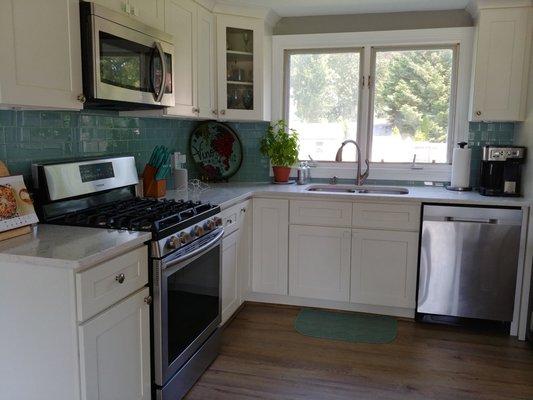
x: 126, y: 64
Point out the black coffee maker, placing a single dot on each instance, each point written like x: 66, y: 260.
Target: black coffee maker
x: 501, y: 173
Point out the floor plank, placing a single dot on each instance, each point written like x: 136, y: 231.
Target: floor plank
x: 263, y: 357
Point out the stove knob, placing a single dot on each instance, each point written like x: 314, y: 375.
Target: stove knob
x: 198, y: 231
x: 217, y: 221
x: 209, y: 225
x: 185, y: 237
x: 173, y: 242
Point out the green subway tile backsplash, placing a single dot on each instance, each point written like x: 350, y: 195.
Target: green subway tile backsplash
x: 484, y: 133
x: 33, y: 136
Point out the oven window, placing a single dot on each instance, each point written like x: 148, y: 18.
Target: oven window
x: 193, y: 301
x: 130, y: 65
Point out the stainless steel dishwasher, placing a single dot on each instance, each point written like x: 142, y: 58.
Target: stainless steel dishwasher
x: 468, y: 262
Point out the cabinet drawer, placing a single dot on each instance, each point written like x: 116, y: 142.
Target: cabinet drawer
x: 402, y: 217
x: 233, y: 217
x: 322, y: 213
x: 102, y: 286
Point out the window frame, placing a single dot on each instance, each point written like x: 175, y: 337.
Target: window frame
x: 462, y: 38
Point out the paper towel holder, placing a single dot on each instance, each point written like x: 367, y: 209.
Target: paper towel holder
x: 462, y: 145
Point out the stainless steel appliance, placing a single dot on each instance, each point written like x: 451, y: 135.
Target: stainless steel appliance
x: 126, y: 65
x: 500, y: 173
x: 185, y: 257
x: 468, y: 262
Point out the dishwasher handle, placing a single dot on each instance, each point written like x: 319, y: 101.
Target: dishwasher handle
x: 472, y: 220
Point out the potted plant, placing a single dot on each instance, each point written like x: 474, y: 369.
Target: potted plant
x: 280, y: 144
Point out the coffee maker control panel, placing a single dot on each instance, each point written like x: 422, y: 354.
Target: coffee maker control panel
x: 491, y: 153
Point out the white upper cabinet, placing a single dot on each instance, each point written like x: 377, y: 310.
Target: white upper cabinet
x: 501, y: 64
x: 40, y: 64
x: 181, y: 22
x: 240, y: 55
x: 149, y: 12
x: 207, y: 64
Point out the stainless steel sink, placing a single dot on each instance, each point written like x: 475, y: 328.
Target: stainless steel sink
x: 393, y: 190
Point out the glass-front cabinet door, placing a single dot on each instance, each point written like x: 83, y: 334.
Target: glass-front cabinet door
x: 240, y: 63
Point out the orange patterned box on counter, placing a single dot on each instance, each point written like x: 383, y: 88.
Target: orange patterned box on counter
x: 16, y: 206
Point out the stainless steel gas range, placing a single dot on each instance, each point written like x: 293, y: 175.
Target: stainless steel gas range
x: 185, y: 257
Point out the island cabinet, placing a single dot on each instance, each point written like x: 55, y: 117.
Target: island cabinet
x: 40, y: 65
x: 76, y: 334
x: 501, y: 64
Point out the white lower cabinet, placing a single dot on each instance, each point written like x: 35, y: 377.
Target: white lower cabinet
x: 270, y: 246
x: 230, y: 277
x: 319, y: 262
x: 115, y: 352
x: 384, y: 265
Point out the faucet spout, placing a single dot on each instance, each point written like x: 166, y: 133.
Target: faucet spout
x: 360, y: 178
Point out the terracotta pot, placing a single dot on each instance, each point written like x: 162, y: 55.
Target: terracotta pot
x: 281, y: 174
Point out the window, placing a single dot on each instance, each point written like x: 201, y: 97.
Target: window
x: 411, y: 95
x: 323, y: 103
x: 400, y: 94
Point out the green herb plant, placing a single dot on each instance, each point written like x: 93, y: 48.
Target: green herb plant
x: 280, y: 144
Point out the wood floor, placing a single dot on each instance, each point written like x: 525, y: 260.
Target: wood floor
x: 263, y: 357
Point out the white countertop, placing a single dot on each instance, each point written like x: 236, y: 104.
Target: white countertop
x: 69, y: 247
x: 228, y: 194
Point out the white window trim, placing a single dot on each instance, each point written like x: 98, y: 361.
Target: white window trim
x: 464, y: 37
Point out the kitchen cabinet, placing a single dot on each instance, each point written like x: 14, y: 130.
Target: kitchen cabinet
x: 270, y: 246
x: 41, y: 56
x: 207, y: 67
x: 115, y: 352
x: 149, y: 12
x: 501, y: 64
x: 384, y: 265
x: 181, y: 21
x: 240, y: 56
x: 230, y: 282
x: 319, y: 262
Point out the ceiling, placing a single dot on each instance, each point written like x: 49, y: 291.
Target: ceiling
x: 291, y: 8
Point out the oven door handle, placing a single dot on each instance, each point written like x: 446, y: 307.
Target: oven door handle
x: 158, y: 96
x: 195, y: 253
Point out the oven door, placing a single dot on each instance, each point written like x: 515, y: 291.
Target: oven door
x: 187, y: 306
x: 130, y: 66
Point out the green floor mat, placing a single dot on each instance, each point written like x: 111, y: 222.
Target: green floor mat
x: 349, y: 327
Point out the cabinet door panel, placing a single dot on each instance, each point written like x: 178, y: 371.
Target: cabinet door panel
x: 321, y: 213
x: 230, y: 288
x: 115, y: 352
x: 319, y: 262
x: 501, y: 64
x: 270, y: 245
x: 206, y: 64
x: 41, y: 57
x: 181, y: 23
x: 384, y: 265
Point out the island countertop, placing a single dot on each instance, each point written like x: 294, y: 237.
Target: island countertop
x: 69, y: 247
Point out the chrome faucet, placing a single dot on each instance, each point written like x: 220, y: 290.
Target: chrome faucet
x: 360, y: 178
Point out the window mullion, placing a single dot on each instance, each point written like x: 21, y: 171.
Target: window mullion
x: 364, y: 116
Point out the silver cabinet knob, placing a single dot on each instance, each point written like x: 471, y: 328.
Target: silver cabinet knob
x: 195, y: 110
x: 81, y: 98
x: 214, y: 112
x: 222, y: 112
x: 148, y: 300
x: 478, y: 113
x: 120, y: 278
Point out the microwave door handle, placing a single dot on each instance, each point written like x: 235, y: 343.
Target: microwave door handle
x: 159, y: 49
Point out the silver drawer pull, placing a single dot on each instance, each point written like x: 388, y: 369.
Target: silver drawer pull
x: 120, y: 278
x: 474, y: 220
